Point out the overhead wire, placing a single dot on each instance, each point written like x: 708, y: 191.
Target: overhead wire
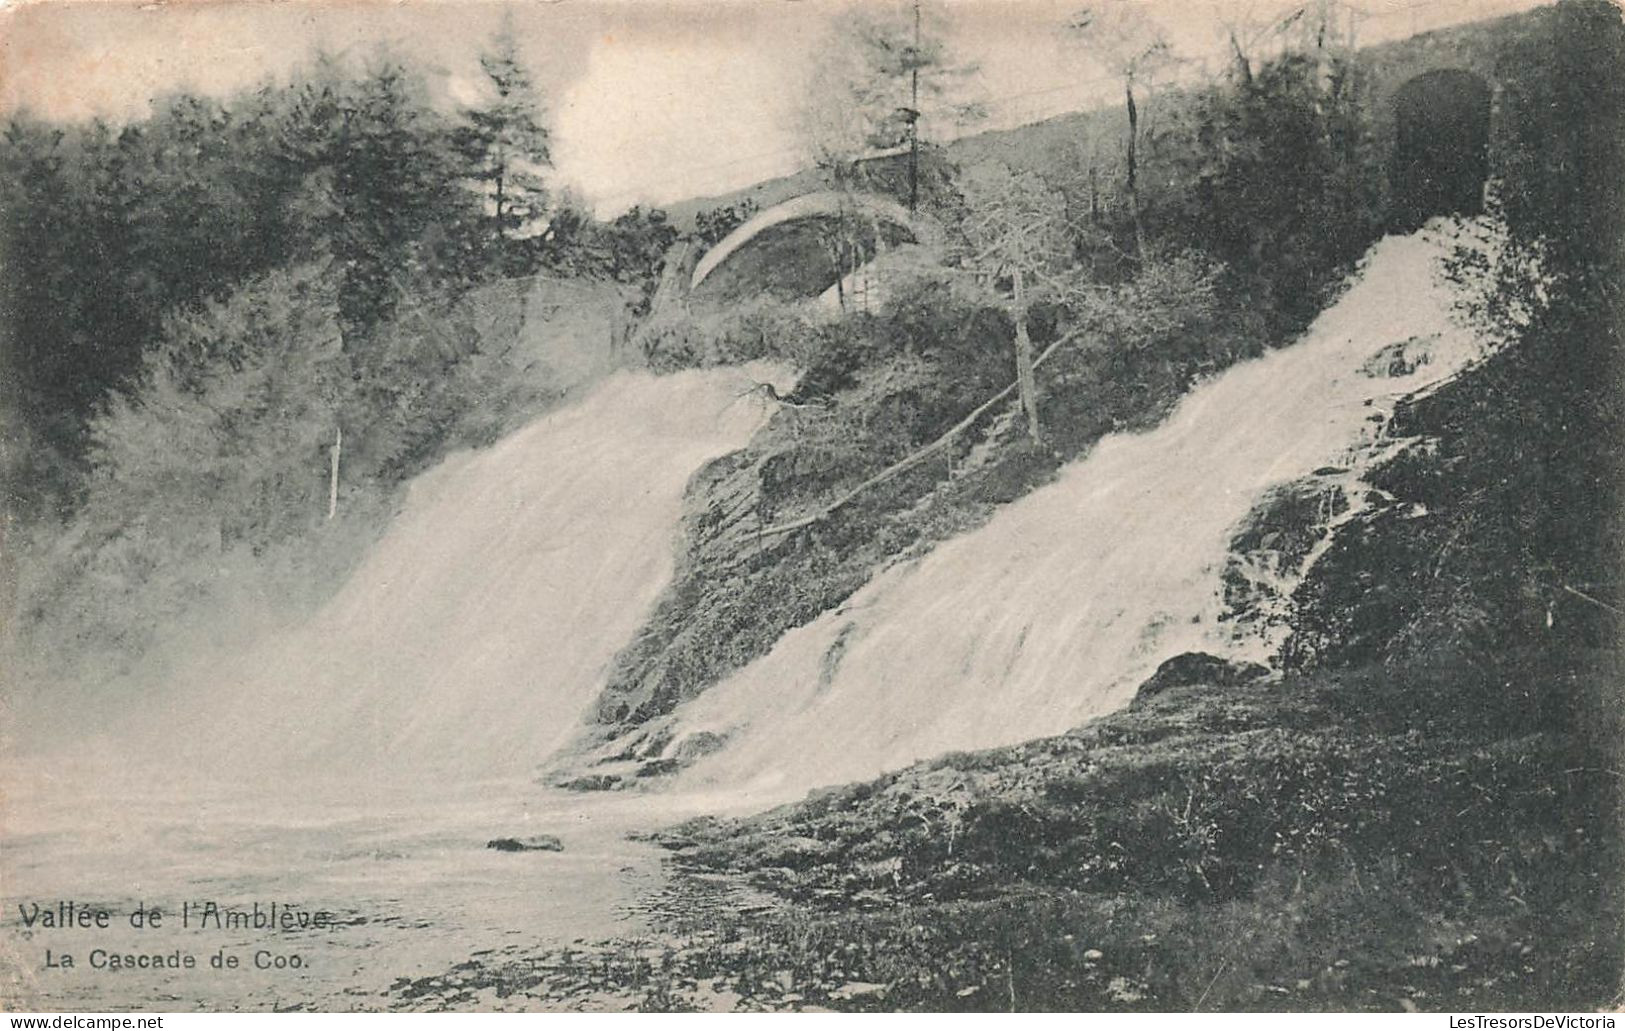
x: 1192, y: 61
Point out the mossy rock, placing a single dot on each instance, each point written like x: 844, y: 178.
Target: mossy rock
x: 1193, y: 668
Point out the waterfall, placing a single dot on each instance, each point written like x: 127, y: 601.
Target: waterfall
x: 1056, y: 609
x: 474, y: 637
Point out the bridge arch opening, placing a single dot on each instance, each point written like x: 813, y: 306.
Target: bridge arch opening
x: 804, y: 246
x: 1441, y: 146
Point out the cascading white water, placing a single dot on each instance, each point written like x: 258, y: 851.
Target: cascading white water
x: 1065, y: 601
x: 475, y: 635
x: 360, y: 764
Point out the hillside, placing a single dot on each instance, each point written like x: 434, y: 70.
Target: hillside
x: 1412, y: 805
x: 1420, y: 813
x: 1056, y: 147
x: 1238, y: 272
x: 981, y: 641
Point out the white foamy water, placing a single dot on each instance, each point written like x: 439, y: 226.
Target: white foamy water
x: 402, y: 871
x: 1066, y: 600
x: 475, y: 635
x: 359, y: 766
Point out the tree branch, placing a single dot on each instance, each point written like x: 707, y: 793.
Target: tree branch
x: 905, y: 464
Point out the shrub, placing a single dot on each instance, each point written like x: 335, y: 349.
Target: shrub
x: 1287, y: 184
x: 217, y: 455
x: 684, y: 338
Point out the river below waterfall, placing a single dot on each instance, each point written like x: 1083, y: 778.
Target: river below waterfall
x: 402, y: 877
x: 357, y: 768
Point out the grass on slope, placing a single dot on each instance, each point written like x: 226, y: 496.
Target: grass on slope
x: 1358, y: 840
x: 875, y: 389
x: 1425, y: 814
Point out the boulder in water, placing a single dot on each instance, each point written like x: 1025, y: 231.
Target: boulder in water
x: 534, y: 843
x: 590, y: 782
x: 659, y: 767
x: 1199, y: 668
x: 1400, y: 358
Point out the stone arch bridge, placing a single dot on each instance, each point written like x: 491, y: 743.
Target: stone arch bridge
x: 1435, y: 100
x: 803, y: 246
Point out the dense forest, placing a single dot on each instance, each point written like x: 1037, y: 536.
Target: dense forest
x: 200, y: 304
x: 202, y: 307
x: 1254, y: 196
x: 112, y: 231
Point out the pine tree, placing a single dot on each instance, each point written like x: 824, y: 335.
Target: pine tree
x: 1133, y: 47
x: 885, y: 79
x: 503, y: 144
x: 394, y: 193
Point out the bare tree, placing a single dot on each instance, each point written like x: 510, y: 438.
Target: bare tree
x: 1016, y: 229
x: 1133, y: 47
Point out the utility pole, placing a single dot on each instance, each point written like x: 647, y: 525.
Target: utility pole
x: 914, y: 118
x: 1133, y: 166
x: 502, y: 233
x: 333, y: 481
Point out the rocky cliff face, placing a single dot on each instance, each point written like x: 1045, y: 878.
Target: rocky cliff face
x: 1190, y: 537
x: 720, y: 534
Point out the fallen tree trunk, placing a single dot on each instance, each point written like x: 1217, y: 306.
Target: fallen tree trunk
x: 905, y: 464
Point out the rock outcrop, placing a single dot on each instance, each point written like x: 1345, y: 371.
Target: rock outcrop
x: 1193, y: 668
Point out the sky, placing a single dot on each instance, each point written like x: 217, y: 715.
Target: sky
x: 648, y: 100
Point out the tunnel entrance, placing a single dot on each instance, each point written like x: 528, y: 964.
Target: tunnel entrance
x: 1441, y: 147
